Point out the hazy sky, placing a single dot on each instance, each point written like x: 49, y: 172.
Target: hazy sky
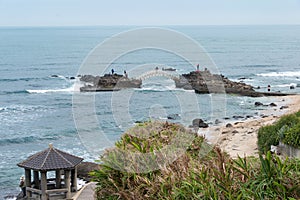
x: 147, y: 12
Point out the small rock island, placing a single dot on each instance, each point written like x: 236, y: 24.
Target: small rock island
x: 108, y: 82
x: 204, y: 82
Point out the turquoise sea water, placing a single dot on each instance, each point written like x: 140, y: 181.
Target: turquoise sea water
x: 36, y: 109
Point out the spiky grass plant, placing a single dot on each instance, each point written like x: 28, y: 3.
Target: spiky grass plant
x: 201, y: 172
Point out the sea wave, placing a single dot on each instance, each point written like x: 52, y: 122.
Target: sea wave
x: 281, y: 74
x: 74, y: 88
x: 14, y: 92
x: 25, y: 139
x: 37, y: 78
x: 286, y: 85
x: 158, y: 89
x: 20, y: 108
x: 22, y: 79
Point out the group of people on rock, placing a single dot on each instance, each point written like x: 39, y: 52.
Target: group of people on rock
x: 125, y: 73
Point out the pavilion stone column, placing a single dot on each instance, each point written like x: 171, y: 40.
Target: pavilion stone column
x: 67, y: 183
x: 74, y: 179
x: 44, y: 184
x: 28, y: 181
x: 36, y: 179
x: 58, y: 178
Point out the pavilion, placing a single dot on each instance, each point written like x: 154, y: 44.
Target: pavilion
x: 51, y: 159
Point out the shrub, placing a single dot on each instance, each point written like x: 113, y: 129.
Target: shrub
x: 287, y: 120
x: 292, y: 136
x: 283, y: 130
x: 266, y: 137
x: 202, y: 172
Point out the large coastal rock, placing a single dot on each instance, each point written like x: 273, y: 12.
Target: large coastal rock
x: 204, y: 82
x: 84, y: 169
x: 108, y: 82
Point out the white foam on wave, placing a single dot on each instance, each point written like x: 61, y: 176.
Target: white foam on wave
x: 280, y: 74
x: 74, y: 88
x: 286, y: 85
x: 159, y: 89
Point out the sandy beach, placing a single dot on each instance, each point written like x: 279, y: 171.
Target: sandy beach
x: 240, y: 137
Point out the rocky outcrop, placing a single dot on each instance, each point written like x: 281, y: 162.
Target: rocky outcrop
x: 174, y: 117
x: 199, y: 123
x: 258, y: 103
x: 108, y: 82
x: 204, y: 82
x: 84, y: 169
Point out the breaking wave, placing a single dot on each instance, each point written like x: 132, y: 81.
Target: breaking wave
x: 281, y: 74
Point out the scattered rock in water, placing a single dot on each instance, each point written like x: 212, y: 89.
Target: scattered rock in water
x: 272, y: 105
x: 224, y: 132
x: 199, y: 123
x: 236, y: 123
x: 237, y: 117
x: 174, y: 117
x: 11, y: 196
x: 249, y: 116
x: 54, y: 76
x: 264, y: 116
x: 283, y: 107
x: 292, y: 87
x: 258, y: 103
x: 235, y: 131
x: 229, y: 125
x: 72, y: 78
x: 217, y: 121
x: 226, y: 118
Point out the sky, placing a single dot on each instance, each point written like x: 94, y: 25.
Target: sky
x: 147, y: 12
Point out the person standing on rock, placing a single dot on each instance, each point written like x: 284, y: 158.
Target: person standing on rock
x: 125, y: 74
x: 22, y: 185
x: 112, y: 71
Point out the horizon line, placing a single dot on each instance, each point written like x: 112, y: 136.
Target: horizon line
x: 153, y: 25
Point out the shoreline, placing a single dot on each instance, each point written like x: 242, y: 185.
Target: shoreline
x: 240, y: 139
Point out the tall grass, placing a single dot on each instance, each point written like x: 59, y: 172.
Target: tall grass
x: 195, y: 174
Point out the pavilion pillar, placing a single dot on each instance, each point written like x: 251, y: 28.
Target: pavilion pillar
x: 74, y: 179
x: 28, y: 181
x: 68, y: 183
x: 44, y: 184
x: 58, y: 178
x: 36, y: 179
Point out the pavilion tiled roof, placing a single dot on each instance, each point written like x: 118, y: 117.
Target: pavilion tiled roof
x: 50, y: 159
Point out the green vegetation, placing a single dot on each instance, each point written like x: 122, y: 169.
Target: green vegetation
x: 286, y: 129
x: 200, y: 172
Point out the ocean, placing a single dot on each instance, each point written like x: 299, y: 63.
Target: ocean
x: 36, y: 107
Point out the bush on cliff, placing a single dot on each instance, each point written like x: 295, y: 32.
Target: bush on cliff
x: 200, y: 172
